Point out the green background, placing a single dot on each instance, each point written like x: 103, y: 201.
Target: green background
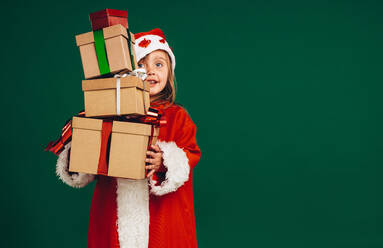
x: 286, y: 96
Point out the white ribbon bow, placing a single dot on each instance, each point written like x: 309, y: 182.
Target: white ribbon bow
x: 140, y: 73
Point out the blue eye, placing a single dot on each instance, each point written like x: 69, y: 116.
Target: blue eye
x: 159, y: 64
x: 140, y: 65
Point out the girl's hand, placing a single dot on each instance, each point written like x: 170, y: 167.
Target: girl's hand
x: 154, y: 158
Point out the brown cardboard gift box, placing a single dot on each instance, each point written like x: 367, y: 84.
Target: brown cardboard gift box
x: 116, y: 48
x: 127, y: 151
x: 103, y: 97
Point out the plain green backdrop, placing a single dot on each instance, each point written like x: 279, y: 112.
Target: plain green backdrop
x: 286, y: 95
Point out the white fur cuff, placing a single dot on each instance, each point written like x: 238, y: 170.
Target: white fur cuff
x: 76, y: 180
x: 177, y: 163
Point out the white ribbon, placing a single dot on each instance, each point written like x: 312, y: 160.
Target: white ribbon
x: 118, y: 92
x: 140, y: 73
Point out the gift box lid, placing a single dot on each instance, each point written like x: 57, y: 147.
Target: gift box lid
x: 134, y: 128
x: 87, y: 123
x: 109, y: 32
x: 108, y: 17
x: 110, y: 83
x: 108, y: 12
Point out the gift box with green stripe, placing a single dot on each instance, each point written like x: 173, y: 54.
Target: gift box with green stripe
x: 107, y: 51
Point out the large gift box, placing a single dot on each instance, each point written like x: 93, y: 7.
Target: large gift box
x: 127, y: 95
x: 110, y: 148
x: 108, y: 17
x: 107, y: 51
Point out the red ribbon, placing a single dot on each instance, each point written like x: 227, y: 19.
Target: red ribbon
x: 106, y: 130
x: 153, y: 117
x: 58, y: 145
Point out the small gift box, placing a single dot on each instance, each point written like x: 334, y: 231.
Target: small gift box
x: 107, y: 51
x: 108, y: 17
x: 127, y: 95
x: 110, y: 148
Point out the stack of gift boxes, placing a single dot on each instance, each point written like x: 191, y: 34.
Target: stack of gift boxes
x: 110, y: 140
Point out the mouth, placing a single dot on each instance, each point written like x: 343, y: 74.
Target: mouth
x: 152, y: 82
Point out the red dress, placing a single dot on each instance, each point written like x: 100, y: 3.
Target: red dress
x: 138, y: 213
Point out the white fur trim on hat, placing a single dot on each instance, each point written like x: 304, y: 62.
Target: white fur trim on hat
x: 133, y: 213
x: 177, y: 163
x: 76, y: 180
x: 155, y: 44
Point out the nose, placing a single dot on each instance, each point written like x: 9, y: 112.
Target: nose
x: 149, y: 70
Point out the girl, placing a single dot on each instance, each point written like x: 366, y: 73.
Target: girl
x: 158, y: 211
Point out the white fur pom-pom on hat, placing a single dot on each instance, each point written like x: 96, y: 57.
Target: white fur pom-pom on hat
x: 147, y: 42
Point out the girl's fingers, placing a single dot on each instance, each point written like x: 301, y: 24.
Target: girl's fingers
x: 150, y: 153
x: 156, y: 148
x: 155, y: 160
x: 152, y: 167
x: 154, y: 154
x: 150, y: 173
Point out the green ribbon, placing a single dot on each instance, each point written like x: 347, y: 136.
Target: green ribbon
x: 99, y: 43
x: 102, y: 59
x: 131, y: 50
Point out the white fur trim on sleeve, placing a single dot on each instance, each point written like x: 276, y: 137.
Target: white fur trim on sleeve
x: 177, y: 163
x: 76, y: 180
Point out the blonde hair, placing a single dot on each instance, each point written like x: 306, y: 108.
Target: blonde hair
x: 168, y: 94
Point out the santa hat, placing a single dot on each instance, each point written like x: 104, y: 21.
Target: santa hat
x: 147, y: 42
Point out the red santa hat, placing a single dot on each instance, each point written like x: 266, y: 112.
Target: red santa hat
x: 147, y: 42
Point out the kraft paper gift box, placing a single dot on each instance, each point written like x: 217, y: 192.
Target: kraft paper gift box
x: 108, y: 17
x: 86, y: 143
x: 117, y: 149
x: 116, y: 96
x: 107, y: 51
x: 128, y: 148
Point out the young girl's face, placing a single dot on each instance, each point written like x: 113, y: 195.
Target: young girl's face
x: 157, y: 69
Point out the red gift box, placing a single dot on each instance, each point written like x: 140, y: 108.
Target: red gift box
x: 108, y: 17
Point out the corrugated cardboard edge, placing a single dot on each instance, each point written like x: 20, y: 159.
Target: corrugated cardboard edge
x: 83, y: 39
x: 134, y: 128
x: 109, y: 32
x: 87, y: 123
x: 115, y: 30
x: 132, y: 39
x: 110, y: 83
